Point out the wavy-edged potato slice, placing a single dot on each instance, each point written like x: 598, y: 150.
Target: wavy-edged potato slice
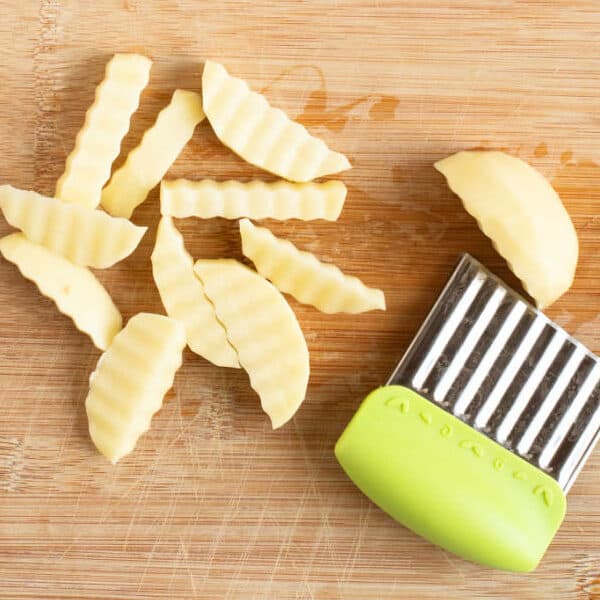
x: 107, y: 121
x: 262, y: 135
x: 148, y: 162
x: 303, y: 276
x: 265, y: 332
x: 517, y: 208
x: 131, y: 380
x: 279, y: 200
x: 74, y: 289
x: 86, y: 237
x: 183, y: 297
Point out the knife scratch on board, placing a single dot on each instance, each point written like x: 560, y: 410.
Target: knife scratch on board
x: 48, y: 106
x: 11, y: 463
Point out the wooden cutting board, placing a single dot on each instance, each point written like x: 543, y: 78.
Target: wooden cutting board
x: 212, y: 503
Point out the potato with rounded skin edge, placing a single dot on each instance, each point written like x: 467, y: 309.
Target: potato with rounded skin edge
x: 263, y: 328
x: 84, y: 236
x: 517, y: 208
x: 262, y: 135
x: 184, y: 299
x: 74, y: 289
x: 130, y: 381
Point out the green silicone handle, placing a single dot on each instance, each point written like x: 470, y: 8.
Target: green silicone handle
x: 449, y: 483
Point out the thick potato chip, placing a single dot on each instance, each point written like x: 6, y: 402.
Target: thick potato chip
x: 84, y: 236
x: 263, y: 329
x: 517, y: 208
x: 262, y: 135
x: 75, y: 290
x: 130, y: 381
x: 256, y: 199
x: 183, y: 297
x: 303, y: 276
x: 106, y: 123
x: 150, y: 160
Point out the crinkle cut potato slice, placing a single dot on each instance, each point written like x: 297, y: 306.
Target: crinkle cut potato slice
x: 262, y: 135
x: 183, y: 297
x: 279, y: 200
x: 131, y: 380
x: 517, y: 208
x: 84, y: 236
x: 300, y: 274
x: 265, y: 332
x: 74, y: 289
x: 148, y: 162
x: 107, y: 121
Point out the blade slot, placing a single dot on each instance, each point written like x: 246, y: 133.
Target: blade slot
x: 457, y: 339
x: 487, y: 303
x: 487, y: 361
x: 584, y: 435
x: 579, y: 414
x: 539, y: 393
x: 534, y: 326
x: 452, y: 322
x: 559, y: 424
x: 540, y: 371
x: 464, y: 274
x: 548, y: 395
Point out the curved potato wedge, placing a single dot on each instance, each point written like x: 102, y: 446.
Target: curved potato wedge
x: 300, y: 274
x: 262, y: 135
x: 130, y: 381
x: 256, y: 199
x: 147, y: 163
x: 263, y: 329
x: 107, y: 121
x: 183, y: 297
x: 517, y: 208
x: 74, y: 289
x: 82, y: 235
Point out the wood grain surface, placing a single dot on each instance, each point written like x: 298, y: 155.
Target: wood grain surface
x: 213, y: 504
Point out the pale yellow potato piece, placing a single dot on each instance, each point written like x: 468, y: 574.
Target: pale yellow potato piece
x: 183, y: 297
x: 262, y: 135
x: 131, y: 380
x: 147, y: 163
x: 74, y: 289
x: 107, y: 121
x: 517, y: 208
x: 263, y: 329
x: 256, y: 199
x: 82, y: 235
x: 303, y: 276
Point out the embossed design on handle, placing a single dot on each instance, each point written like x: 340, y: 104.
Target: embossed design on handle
x: 446, y: 431
x: 474, y: 447
x: 545, y: 493
x: 426, y: 418
x: 402, y: 404
x: 498, y: 464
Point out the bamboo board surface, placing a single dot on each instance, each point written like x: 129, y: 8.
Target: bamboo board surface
x: 213, y: 504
